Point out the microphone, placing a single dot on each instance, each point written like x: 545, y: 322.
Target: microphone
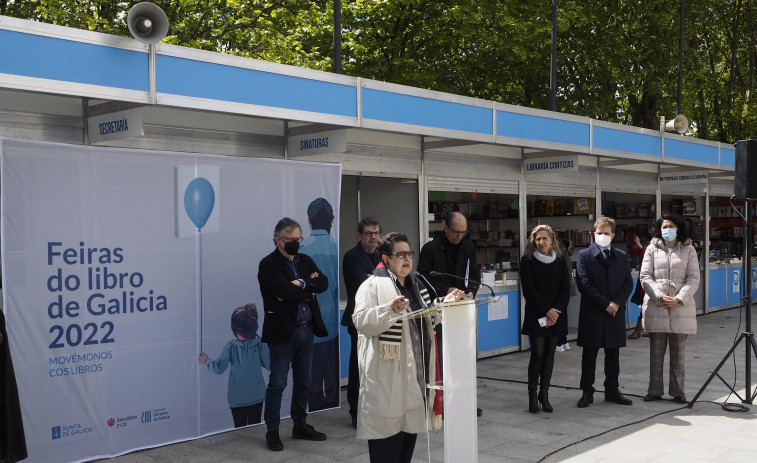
x: 434, y: 273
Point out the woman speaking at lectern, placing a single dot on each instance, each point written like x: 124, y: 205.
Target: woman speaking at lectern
x: 396, y: 356
x: 546, y: 288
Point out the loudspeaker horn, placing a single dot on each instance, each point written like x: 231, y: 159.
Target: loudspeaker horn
x: 678, y: 125
x: 147, y: 22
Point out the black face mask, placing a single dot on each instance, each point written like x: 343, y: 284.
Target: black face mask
x: 292, y: 248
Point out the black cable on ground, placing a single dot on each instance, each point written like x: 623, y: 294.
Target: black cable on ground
x: 606, y: 432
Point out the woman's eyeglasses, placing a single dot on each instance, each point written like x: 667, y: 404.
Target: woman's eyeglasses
x: 403, y: 254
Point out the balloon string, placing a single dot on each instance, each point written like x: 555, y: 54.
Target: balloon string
x: 200, y: 234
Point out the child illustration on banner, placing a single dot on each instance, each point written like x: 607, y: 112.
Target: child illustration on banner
x: 246, y: 356
x: 323, y: 249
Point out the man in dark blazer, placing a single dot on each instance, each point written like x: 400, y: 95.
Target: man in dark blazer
x: 288, y: 283
x: 358, y: 264
x: 605, y: 283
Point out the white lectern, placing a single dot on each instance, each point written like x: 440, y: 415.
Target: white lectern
x: 459, y: 381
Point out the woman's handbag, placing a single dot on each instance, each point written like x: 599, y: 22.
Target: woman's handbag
x: 638, y: 293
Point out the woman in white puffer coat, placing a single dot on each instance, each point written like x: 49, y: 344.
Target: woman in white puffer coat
x: 670, y: 277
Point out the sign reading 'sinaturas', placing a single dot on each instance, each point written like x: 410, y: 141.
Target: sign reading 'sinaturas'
x: 551, y: 164
x: 130, y: 293
x: 333, y: 141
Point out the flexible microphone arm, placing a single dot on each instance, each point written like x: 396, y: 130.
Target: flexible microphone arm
x: 430, y: 286
x: 434, y: 273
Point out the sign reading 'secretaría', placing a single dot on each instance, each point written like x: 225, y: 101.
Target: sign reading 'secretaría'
x: 115, y: 126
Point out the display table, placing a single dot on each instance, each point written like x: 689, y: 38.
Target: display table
x: 498, y: 324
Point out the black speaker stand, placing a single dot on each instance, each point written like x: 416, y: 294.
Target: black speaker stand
x: 747, y: 335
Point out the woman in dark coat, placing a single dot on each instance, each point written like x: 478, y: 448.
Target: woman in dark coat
x: 546, y: 289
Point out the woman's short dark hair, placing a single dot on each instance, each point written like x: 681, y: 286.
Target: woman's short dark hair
x: 386, y: 244
x: 683, y: 233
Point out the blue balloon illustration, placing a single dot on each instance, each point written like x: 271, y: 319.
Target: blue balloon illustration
x: 198, y: 201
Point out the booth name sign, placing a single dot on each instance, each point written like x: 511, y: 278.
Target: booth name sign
x: 115, y: 126
x: 675, y: 178
x: 333, y: 141
x: 553, y: 164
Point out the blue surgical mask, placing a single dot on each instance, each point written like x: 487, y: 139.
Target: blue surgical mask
x: 669, y: 234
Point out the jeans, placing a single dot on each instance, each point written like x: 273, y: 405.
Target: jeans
x: 297, y: 352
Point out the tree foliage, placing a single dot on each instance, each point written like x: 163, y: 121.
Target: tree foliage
x: 617, y: 60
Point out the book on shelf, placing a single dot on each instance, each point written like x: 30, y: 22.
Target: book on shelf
x: 540, y: 207
x: 621, y: 231
x: 609, y: 209
x: 676, y: 206
x: 550, y: 208
x: 642, y: 210
x: 582, y: 206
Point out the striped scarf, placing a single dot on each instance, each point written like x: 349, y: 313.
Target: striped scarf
x: 390, y: 340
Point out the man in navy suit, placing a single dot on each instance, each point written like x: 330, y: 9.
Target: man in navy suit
x: 358, y: 264
x: 605, y: 283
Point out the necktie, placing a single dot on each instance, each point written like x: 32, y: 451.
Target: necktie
x: 606, y: 253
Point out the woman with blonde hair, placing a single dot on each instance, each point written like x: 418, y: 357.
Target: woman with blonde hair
x: 545, y: 283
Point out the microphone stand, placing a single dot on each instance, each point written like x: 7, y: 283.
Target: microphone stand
x: 430, y: 286
x: 434, y: 273
x: 747, y: 336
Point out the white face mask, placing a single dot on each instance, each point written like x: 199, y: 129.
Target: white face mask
x: 603, y: 241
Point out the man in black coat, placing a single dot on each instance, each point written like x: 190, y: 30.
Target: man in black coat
x: 288, y: 283
x: 453, y: 254
x: 605, y: 283
x: 358, y: 264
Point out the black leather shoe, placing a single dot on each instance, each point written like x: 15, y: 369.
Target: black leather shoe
x: 308, y: 433
x: 585, y: 401
x: 618, y: 398
x: 681, y: 399
x: 479, y: 412
x: 273, y: 441
x: 651, y: 398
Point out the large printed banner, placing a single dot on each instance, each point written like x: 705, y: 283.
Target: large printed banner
x: 131, y: 293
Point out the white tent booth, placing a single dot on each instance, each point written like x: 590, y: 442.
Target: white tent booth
x: 84, y: 111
